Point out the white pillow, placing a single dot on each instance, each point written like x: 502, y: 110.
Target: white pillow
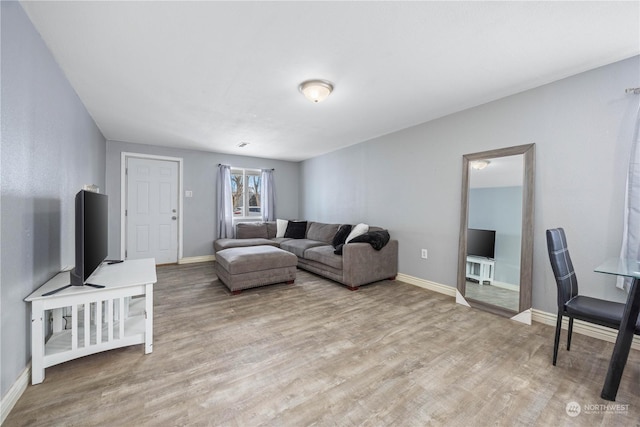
x: 357, y: 231
x: 281, y: 227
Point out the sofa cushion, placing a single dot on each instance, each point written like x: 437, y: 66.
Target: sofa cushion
x: 341, y: 235
x: 298, y: 246
x: 279, y: 240
x: 324, y: 255
x: 272, y: 229
x: 322, y: 232
x: 356, y: 231
x: 256, y: 258
x: 251, y: 230
x: 296, y: 230
x: 222, y: 244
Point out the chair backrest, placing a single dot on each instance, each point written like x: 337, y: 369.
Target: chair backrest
x: 562, y: 266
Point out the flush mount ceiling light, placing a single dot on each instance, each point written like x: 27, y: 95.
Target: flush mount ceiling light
x: 480, y: 164
x: 316, y: 90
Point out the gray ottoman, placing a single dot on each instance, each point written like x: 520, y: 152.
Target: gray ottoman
x: 249, y: 267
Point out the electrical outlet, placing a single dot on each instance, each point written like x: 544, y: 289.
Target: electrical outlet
x: 423, y: 254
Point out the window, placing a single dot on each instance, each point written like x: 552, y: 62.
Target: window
x: 245, y: 191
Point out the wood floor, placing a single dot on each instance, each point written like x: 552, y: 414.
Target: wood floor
x: 493, y: 294
x: 315, y: 353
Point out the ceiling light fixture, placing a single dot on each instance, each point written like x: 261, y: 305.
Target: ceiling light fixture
x: 480, y: 164
x: 316, y: 90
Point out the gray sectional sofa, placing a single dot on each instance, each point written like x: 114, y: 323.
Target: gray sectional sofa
x: 359, y: 263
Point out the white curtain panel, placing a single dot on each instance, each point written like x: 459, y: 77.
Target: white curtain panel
x: 224, y: 203
x: 631, y: 234
x: 268, y: 193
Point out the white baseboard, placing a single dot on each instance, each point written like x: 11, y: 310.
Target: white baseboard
x: 427, y: 284
x: 10, y: 399
x: 584, y: 328
x: 579, y: 327
x: 195, y: 259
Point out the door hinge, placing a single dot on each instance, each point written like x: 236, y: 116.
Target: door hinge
x: 126, y: 212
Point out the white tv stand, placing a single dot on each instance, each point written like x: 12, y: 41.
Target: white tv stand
x: 480, y: 269
x: 118, y: 315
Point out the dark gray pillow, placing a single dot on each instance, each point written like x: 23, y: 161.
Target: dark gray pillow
x: 296, y: 230
x: 341, y: 235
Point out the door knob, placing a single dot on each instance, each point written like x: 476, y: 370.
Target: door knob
x: 174, y: 218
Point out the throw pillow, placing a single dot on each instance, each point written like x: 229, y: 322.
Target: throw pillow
x: 296, y: 230
x: 341, y: 235
x: 338, y: 250
x: 356, y: 231
x: 281, y: 227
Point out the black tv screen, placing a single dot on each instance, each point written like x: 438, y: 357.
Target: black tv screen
x: 481, y: 243
x: 91, y: 235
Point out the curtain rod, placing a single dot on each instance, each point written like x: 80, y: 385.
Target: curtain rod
x: 220, y: 164
x: 634, y: 90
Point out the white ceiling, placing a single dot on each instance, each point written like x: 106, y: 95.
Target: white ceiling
x: 209, y: 75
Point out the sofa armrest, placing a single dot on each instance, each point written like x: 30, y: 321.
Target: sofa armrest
x: 362, y: 264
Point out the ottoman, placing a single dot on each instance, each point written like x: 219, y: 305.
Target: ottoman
x: 249, y: 267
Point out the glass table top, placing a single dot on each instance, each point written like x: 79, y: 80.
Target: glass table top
x: 620, y: 267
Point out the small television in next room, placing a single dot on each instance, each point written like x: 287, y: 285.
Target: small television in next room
x: 91, y: 235
x: 481, y: 243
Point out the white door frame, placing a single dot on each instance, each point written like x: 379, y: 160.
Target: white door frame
x: 123, y: 196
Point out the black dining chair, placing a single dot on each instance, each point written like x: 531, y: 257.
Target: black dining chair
x: 570, y: 303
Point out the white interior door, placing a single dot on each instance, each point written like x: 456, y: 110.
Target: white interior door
x: 151, y: 211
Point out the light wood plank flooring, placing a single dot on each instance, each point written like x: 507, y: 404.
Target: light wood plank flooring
x: 315, y: 353
x: 494, y: 295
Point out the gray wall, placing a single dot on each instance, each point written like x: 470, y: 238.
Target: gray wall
x: 410, y: 180
x: 500, y: 209
x: 199, y: 176
x: 50, y: 148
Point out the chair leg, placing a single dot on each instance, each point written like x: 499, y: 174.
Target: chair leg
x: 557, y: 339
x: 570, y: 333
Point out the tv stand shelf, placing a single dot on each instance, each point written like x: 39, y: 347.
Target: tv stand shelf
x: 118, y: 315
x: 480, y: 269
x: 60, y: 341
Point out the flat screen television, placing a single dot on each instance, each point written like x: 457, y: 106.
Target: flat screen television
x: 91, y: 235
x: 481, y: 243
